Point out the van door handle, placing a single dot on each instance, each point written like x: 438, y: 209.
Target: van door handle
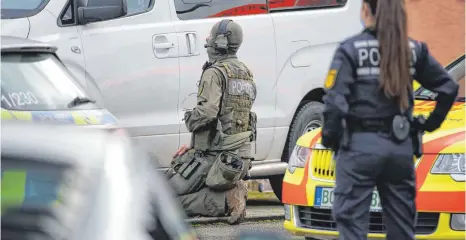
x: 164, y: 45
x: 192, y: 46
x: 76, y: 49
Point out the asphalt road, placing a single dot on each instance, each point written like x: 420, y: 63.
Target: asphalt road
x: 223, y: 231
x: 262, y: 216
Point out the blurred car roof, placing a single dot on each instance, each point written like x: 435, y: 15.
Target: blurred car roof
x: 54, y: 142
x: 110, y: 181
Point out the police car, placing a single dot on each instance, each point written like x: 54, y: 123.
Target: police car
x: 37, y: 87
x: 309, y: 180
x: 66, y: 182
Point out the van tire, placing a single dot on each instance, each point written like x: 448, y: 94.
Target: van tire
x: 309, y: 117
x: 276, y: 182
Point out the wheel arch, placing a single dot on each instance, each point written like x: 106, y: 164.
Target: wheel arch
x: 315, y: 95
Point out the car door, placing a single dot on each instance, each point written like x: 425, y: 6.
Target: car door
x: 134, y: 61
x: 193, y: 21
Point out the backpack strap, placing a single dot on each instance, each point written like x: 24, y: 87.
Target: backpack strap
x: 224, y: 88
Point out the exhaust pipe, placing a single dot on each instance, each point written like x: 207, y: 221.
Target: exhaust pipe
x: 268, y: 169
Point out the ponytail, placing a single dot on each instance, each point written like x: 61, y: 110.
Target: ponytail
x: 392, y: 33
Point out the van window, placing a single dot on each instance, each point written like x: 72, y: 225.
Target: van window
x: 21, y: 8
x: 199, y: 9
x: 293, y: 5
x: 67, y: 17
x: 138, y: 6
x: 37, y: 81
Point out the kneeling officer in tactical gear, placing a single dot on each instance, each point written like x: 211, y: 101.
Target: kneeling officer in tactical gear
x: 368, y: 120
x: 208, y: 175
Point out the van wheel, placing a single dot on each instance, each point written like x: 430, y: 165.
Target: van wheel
x: 308, y: 118
x: 276, y: 182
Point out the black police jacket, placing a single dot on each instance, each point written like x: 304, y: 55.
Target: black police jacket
x: 353, y: 90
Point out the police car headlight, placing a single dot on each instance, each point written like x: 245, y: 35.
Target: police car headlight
x: 457, y: 222
x: 452, y: 164
x: 298, y: 158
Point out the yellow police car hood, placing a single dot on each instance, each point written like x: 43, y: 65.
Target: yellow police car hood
x: 445, y: 141
x: 449, y: 138
x: 75, y: 117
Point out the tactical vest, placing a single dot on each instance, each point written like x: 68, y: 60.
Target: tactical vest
x: 239, y: 95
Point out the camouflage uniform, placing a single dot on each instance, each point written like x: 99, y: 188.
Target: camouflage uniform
x: 226, y: 92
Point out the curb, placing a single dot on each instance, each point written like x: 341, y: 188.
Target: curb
x: 213, y: 220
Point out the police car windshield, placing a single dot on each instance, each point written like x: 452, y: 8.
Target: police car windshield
x: 461, y: 91
x: 37, y: 81
x: 21, y: 8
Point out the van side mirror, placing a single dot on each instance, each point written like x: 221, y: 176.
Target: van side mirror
x: 101, y: 10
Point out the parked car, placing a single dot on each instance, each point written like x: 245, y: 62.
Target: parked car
x: 67, y: 182
x: 309, y: 180
x: 145, y: 57
x: 37, y: 87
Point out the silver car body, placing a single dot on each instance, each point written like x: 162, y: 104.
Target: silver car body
x: 109, y: 190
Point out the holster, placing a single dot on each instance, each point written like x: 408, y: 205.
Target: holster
x: 187, y: 169
x: 416, y: 133
x: 345, y: 142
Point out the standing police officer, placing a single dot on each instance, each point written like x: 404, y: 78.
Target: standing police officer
x: 226, y: 93
x: 367, y: 118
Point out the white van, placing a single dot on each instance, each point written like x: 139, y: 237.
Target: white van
x: 145, y: 57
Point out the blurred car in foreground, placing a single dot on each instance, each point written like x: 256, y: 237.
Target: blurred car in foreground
x: 310, y: 178
x: 37, y: 87
x: 66, y: 182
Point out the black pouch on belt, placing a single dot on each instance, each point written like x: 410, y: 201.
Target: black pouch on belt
x: 400, y: 128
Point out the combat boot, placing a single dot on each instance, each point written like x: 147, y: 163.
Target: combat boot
x: 236, y: 202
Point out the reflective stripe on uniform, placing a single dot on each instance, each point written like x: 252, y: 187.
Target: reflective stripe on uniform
x: 375, y: 71
x: 374, y: 43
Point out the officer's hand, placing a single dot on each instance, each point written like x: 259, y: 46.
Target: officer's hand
x: 420, y: 123
x: 332, y: 144
x: 331, y: 141
x: 187, y: 114
x: 181, y: 151
x: 328, y: 142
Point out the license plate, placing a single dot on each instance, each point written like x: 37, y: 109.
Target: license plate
x: 324, y: 199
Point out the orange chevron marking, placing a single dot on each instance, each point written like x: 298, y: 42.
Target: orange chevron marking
x: 440, y: 201
x: 296, y: 194
x: 436, y: 146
